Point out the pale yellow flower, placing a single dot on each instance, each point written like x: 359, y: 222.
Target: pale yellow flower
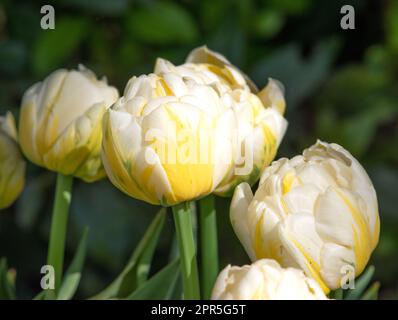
x: 163, y: 140
x: 265, y: 280
x: 61, y: 122
x: 317, y: 211
x: 12, y: 164
x: 259, y: 125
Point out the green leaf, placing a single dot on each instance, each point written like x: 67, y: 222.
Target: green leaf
x: 101, y: 7
x: 292, y: 7
x: 372, y: 293
x: 391, y: 24
x: 300, y: 75
x: 73, y: 274
x: 136, y: 271
x: 7, y: 281
x: 267, y: 23
x: 161, y: 23
x: 360, y: 284
x: 49, y: 52
x: 160, y: 286
x: 358, y: 132
x: 40, y: 296
x: 336, y: 294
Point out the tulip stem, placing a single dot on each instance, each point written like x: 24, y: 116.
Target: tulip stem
x: 186, y: 244
x: 209, y: 246
x: 59, y: 221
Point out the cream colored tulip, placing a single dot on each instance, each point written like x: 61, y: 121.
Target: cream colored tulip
x: 265, y: 280
x: 259, y: 125
x: 317, y: 211
x: 61, y: 122
x: 12, y: 164
x: 165, y: 139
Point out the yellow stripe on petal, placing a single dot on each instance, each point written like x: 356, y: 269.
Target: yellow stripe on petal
x: 258, y: 240
x: 312, y: 267
x: 119, y: 174
x: 287, y: 181
x: 270, y: 145
x: 362, y: 238
x: 193, y: 177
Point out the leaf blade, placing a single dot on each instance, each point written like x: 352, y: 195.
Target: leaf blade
x: 137, y: 268
x: 160, y: 286
x: 73, y: 274
x: 360, y: 284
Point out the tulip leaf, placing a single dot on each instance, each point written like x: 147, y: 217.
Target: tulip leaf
x: 73, y: 274
x: 160, y: 286
x: 301, y: 76
x: 360, y: 284
x: 49, y: 53
x: 372, y: 293
x: 392, y: 25
x: 7, y: 281
x: 161, y: 23
x: 102, y: 7
x: 336, y: 294
x: 136, y: 271
x: 40, y: 296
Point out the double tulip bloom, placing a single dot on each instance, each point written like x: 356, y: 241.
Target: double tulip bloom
x: 12, y: 164
x: 265, y: 280
x: 317, y: 211
x: 177, y: 134
x: 61, y: 122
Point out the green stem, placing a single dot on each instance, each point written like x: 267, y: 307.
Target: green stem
x: 209, y: 246
x: 186, y: 243
x: 56, y: 246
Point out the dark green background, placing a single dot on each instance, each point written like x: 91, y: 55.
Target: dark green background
x: 341, y: 86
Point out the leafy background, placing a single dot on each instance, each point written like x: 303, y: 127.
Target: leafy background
x: 341, y: 86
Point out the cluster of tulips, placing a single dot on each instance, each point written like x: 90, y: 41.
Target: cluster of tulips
x: 186, y: 133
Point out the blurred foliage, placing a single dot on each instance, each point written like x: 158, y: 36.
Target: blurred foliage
x: 341, y: 86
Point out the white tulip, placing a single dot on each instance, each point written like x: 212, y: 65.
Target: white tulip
x: 265, y: 280
x: 259, y: 125
x: 12, y: 164
x: 61, y: 122
x: 167, y: 140
x: 317, y: 211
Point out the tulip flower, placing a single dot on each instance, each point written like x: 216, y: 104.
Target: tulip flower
x: 265, y: 280
x: 61, y: 122
x: 12, y: 164
x: 61, y: 129
x: 163, y: 140
x: 317, y: 211
x: 166, y: 141
x: 259, y: 124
